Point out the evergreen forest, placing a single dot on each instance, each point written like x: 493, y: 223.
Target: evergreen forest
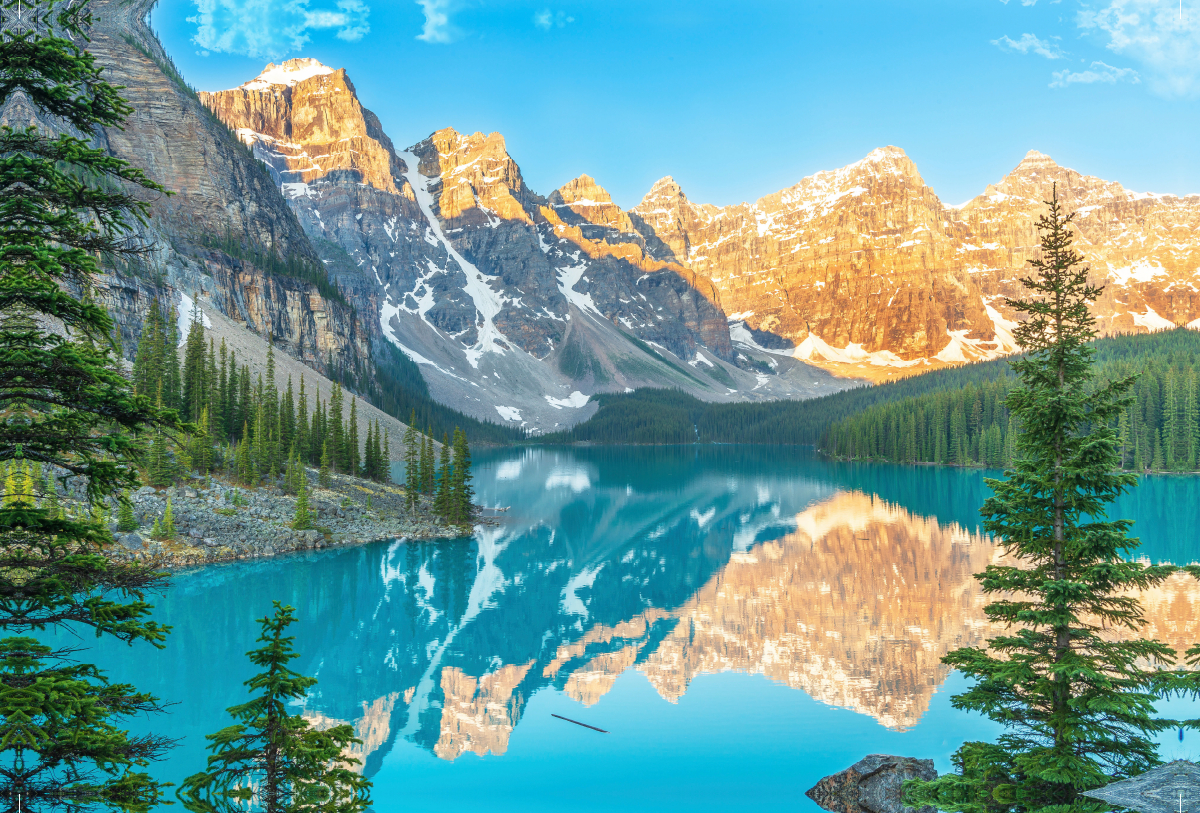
x: 249, y: 427
x: 970, y: 425
x: 954, y: 415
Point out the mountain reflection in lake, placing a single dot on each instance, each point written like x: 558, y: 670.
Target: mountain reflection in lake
x: 656, y: 568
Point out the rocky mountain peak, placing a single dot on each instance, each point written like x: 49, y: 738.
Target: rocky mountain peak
x: 304, y: 120
x: 583, y: 189
x: 1034, y: 161
x: 588, y: 201
x: 664, y: 188
x: 289, y: 74
x: 884, y: 161
x: 477, y: 175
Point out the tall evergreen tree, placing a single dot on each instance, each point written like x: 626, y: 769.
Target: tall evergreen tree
x: 194, y: 388
x: 302, y: 423
x: 334, y: 430
x: 66, y: 406
x: 462, y: 495
x: 273, y: 761
x: 412, y: 477
x: 1076, y: 705
x: 442, y: 498
x: 351, y: 446
x: 427, y: 463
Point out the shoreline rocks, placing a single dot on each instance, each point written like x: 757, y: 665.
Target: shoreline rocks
x: 872, y: 785
x: 216, y: 521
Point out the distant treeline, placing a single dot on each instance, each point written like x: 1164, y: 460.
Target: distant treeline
x: 656, y: 416
x: 969, y: 425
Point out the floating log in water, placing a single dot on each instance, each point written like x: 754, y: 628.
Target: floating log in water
x: 576, y: 722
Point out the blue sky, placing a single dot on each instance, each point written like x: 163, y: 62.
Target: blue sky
x: 739, y: 99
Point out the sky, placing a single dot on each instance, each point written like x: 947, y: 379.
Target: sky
x: 739, y: 99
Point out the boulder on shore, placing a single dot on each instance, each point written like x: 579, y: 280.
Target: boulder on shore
x: 872, y: 785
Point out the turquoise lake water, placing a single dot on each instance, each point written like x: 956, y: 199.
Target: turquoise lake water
x: 740, y: 620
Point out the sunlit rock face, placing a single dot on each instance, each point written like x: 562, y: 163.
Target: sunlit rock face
x: 305, y: 121
x: 864, y: 255
x: 865, y: 267
x: 1144, y: 248
x: 515, y: 306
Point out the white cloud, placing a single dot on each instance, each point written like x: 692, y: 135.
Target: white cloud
x: 437, y: 26
x: 273, y: 29
x: 547, y: 19
x: 1098, y: 72
x: 1154, y: 33
x: 1027, y: 43
x: 1023, y: 2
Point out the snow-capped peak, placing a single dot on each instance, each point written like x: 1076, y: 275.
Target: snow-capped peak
x: 289, y: 74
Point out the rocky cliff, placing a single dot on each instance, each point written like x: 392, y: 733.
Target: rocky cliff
x: 863, y: 269
x: 517, y: 307
x: 224, y: 231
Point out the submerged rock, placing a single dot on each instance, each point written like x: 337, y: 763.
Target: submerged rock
x: 872, y: 785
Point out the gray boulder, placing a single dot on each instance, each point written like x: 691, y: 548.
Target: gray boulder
x: 872, y: 785
x: 131, y: 541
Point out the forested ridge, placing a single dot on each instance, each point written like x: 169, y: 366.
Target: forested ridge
x: 658, y: 416
x: 969, y: 425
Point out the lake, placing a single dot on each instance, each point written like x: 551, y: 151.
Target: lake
x: 741, y: 621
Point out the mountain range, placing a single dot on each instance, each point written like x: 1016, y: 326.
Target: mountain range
x: 517, y: 307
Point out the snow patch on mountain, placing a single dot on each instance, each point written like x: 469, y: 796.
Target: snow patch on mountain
x: 185, y: 315
x: 288, y: 74
x: 487, y: 301
x: 575, y: 400
x: 568, y: 278
x: 1152, y: 321
x: 509, y: 413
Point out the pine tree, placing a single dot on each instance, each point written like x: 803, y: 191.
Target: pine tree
x: 221, y: 411
x: 323, y: 472
x: 334, y: 431
x: 412, y: 481
x: 442, y: 500
x: 368, y: 466
x: 159, y: 469
x: 302, y: 423
x: 302, y: 521
x: 1191, y: 421
x: 211, y: 398
x: 385, y: 454
x: 426, y: 464
x: 168, y: 521
x: 194, y: 371
x: 126, y: 522
x: 1076, y: 706
x: 273, y: 761
x: 351, y: 453
x: 462, y: 494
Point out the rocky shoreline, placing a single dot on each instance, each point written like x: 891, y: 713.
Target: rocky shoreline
x: 216, y: 521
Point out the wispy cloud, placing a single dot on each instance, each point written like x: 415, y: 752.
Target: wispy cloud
x: 547, y: 19
x: 437, y: 28
x: 1163, y: 38
x: 1023, y: 2
x: 1098, y: 72
x: 1027, y: 43
x: 273, y: 29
